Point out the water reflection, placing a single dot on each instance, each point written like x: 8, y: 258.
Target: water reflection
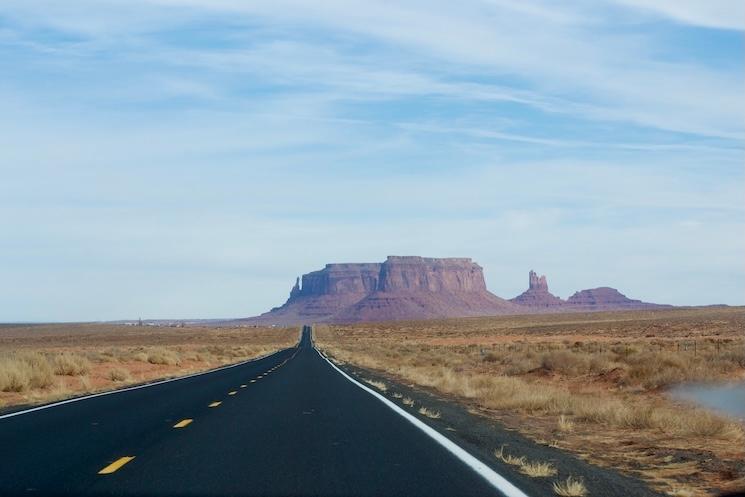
x: 728, y: 398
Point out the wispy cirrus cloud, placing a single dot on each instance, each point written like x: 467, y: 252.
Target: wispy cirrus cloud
x: 724, y: 14
x: 191, y: 141
x: 490, y: 40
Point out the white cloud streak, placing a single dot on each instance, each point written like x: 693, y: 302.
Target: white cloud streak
x: 718, y: 14
x: 357, y: 129
x: 577, y: 61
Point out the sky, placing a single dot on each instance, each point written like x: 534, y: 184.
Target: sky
x: 190, y: 158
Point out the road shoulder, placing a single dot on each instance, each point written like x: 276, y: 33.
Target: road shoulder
x: 482, y: 436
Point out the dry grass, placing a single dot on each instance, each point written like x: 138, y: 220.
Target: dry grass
x: 681, y: 492
x: 570, y: 487
x: 49, y: 362
x: 564, y: 424
x: 396, y: 395
x: 408, y: 401
x: 119, y: 374
x: 68, y: 364
x: 164, y: 356
x: 590, y: 383
x: 430, y: 413
x: 377, y: 384
x: 537, y: 469
x: 523, y: 394
x: 509, y: 458
x: 23, y: 371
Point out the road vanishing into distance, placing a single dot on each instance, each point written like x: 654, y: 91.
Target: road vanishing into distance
x: 289, y: 424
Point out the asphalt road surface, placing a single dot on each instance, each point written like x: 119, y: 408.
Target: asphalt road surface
x: 289, y: 424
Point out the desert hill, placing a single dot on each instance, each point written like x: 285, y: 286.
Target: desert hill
x: 606, y: 298
x: 537, y: 298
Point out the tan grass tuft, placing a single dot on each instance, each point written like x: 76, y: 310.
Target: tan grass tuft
x: 429, y: 413
x: 67, y: 364
x: 140, y: 356
x: 163, y: 356
x: 21, y: 371
x: 565, y: 424
x: 408, y: 401
x: 681, y: 492
x: 377, y: 384
x: 14, y: 377
x: 508, y: 458
x: 85, y: 384
x: 571, y: 487
x: 119, y: 374
x: 536, y: 469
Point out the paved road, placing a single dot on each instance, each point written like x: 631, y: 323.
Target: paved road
x: 288, y: 424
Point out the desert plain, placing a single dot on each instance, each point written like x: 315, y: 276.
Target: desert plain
x: 593, y: 384
x: 47, y: 362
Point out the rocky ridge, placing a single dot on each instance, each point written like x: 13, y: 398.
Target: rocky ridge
x: 537, y: 298
x: 413, y: 287
x: 606, y: 298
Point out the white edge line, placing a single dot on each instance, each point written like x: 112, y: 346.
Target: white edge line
x: 494, y: 478
x: 137, y: 387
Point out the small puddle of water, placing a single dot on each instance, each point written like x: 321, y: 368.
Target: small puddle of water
x: 728, y: 398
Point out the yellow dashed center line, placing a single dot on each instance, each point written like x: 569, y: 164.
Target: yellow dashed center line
x: 183, y: 423
x: 115, y: 465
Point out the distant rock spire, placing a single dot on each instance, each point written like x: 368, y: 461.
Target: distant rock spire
x: 295, y: 289
x: 536, y: 282
x: 537, y: 294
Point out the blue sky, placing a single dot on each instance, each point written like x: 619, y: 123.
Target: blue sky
x: 189, y: 158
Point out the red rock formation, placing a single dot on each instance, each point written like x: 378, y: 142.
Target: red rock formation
x: 430, y: 275
x: 323, y: 294
x: 537, y: 283
x: 606, y: 298
x: 537, y: 294
x: 423, y: 288
x: 404, y: 288
x: 341, y: 279
x: 399, y: 288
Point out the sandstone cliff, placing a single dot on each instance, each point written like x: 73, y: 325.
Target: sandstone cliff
x: 399, y: 288
x: 414, y: 274
x: 324, y: 293
x: 404, y: 288
x: 423, y: 288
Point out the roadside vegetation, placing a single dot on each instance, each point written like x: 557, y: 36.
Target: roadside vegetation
x: 571, y: 487
x: 51, y: 362
x: 378, y: 384
x: 593, y: 384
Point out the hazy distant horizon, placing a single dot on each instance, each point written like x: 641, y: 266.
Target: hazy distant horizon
x: 282, y: 299
x: 191, y: 158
